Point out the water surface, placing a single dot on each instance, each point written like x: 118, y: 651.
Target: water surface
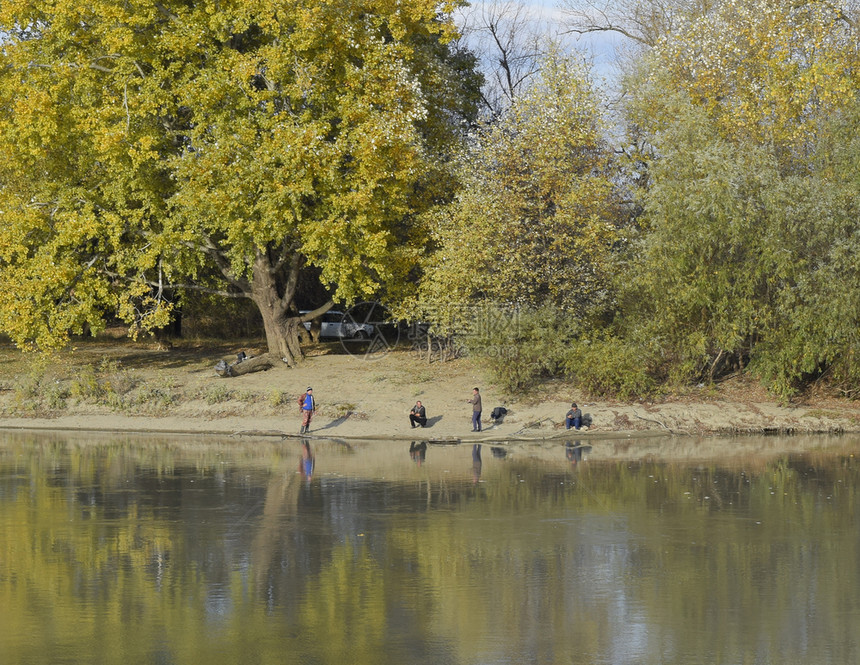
x: 120, y: 549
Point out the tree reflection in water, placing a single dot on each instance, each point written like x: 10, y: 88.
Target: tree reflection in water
x: 139, y: 550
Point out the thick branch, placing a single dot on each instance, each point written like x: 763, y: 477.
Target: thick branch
x: 161, y: 286
x: 166, y: 12
x: 198, y: 288
x: 288, y: 251
x: 292, y: 279
x: 319, y: 311
x: 224, y: 266
x: 608, y: 28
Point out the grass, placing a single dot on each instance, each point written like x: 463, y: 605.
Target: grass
x: 115, y: 374
x: 119, y: 375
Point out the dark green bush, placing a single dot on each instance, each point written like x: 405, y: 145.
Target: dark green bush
x: 520, y: 347
x: 607, y: 365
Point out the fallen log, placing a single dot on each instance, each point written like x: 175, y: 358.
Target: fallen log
x: 244, y: 365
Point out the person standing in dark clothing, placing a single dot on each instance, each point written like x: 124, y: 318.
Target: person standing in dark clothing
x: 475, y: 401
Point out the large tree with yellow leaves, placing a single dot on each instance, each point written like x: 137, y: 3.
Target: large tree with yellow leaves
x: 227, y: 145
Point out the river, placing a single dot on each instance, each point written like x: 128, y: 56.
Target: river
x: 191, y: 550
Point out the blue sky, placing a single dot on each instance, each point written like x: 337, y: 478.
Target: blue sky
x: 599, y: 46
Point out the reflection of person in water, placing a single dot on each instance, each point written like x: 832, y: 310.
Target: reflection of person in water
x: 476, y: 462
x: 573, y: 452
x: 418, y: 451
x: 306, y: 463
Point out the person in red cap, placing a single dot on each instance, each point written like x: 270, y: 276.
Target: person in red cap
x: 309, y: 407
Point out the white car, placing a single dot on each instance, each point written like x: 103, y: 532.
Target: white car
x: 338, y: 324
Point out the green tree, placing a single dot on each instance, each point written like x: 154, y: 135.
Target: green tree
x: 228, y: 146
x: 751, y: 208
x: 535, y: 220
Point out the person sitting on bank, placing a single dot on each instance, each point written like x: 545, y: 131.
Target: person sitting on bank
x: 418, y: 415
x: 573, y: 417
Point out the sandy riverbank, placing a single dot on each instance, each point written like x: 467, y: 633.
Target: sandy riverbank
x: 363, y: 399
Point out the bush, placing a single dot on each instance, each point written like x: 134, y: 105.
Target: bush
x: 115, y: 379
x: 607, y: 365
x: 521, y: 347
x: 55, y: 395
x: 217, y: 394
x: 86, y: 384
x: 157, y: 397
x: 28, y: 386
x: 279, y: 398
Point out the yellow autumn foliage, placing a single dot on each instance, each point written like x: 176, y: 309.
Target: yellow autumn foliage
x: 153, y: 147
x: 535, y: 221
x: 763, y: 70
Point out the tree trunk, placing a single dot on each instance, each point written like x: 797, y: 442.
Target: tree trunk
x: 281, y: 334
x: 256, y: 364
x: 282, y: 329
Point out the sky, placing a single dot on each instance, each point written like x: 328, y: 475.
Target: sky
x: 600, y: 47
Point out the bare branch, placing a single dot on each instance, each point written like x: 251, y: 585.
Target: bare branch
x: 642, y: 21
x: 609, y: 28
x: 508, y: 38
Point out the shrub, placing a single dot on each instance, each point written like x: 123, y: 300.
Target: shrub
x: 157, y: 396
x: 521, y: 347
x: 55, y: 395
x: 86, y: 384
x: 217, y: 394
x: 107, y: 383
x: 607, y: 365
x: 28, y: 386
x: 115, y: 379
x: 279, y: 398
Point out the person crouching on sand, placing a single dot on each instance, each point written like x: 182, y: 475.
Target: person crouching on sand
x: 573, y: 417
x: 418, y: 415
